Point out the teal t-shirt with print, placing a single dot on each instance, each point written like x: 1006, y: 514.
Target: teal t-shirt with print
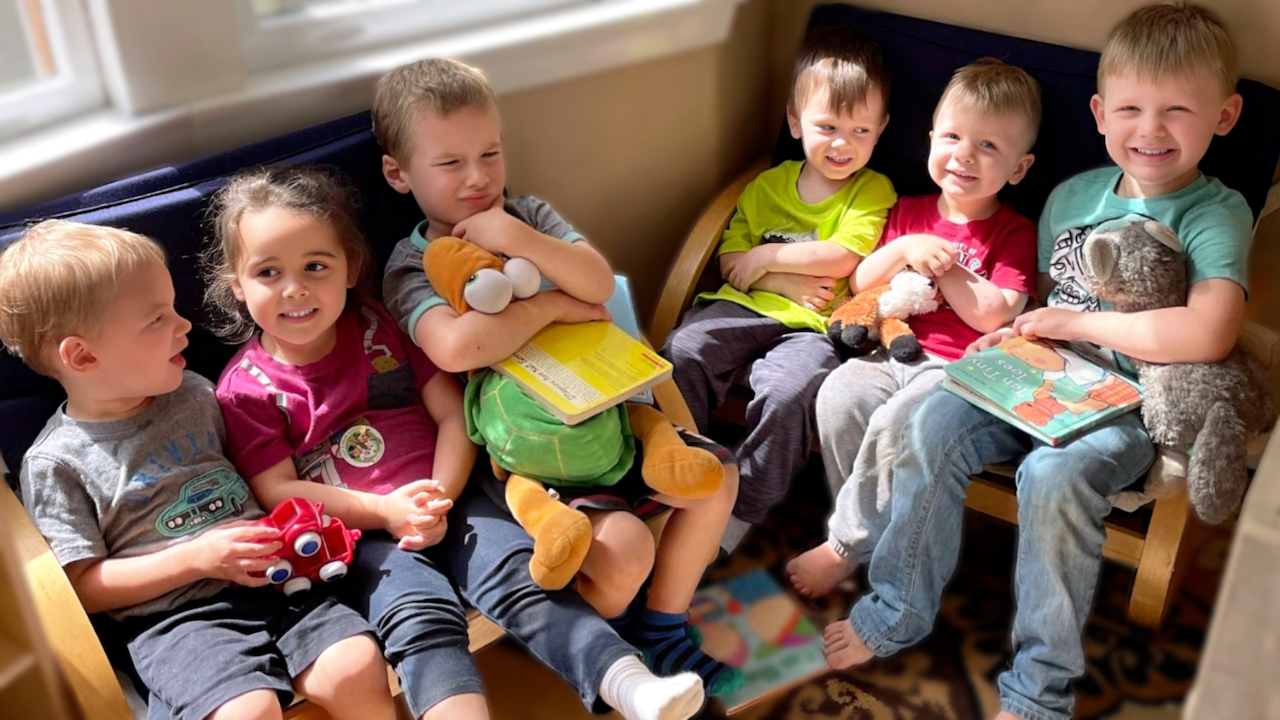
x: 1213, y: 221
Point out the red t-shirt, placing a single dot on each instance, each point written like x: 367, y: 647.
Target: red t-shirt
x: 1001, y: 248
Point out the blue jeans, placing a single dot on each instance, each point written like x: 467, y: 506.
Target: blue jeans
x: 486, y: 553
x: 1062, y: 500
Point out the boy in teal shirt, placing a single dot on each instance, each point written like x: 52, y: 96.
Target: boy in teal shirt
x: 800, y: 230
x: 1166, y: 86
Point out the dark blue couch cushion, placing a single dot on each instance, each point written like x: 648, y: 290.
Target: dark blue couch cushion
x: 171, y: 205
x: 923, y: 54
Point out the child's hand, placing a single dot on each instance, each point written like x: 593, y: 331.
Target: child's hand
x: 428, y: 528
x: 569, y: 309
x: 232, y: 551
x: 743, y: 270
x: 806, y: 291
x: 929, y: 255
x: 991, y: 339
x: 492, y: 229
x: 397, y: 506
x: 1049, y: 323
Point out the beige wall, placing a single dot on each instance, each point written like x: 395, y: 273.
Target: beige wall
x: 631, y: 156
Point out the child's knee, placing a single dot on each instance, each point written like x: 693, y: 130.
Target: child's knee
x: 262, y: 704
x: 626, y: 550
x: 350, y: 668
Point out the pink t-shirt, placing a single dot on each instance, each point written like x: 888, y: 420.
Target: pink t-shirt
x: 353, y: 419
x: 1001, y: 248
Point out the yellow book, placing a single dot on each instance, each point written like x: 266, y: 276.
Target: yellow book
x: 579, y: 370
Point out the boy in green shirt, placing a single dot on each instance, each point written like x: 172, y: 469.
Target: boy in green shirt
x: 800, y: 230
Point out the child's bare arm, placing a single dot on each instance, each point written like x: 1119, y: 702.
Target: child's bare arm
x: 458, y: 343
x: 1202, y: 332
x: 455, y: 453
x: 807, y: 291
x: 393, y: 512
x: 979, y: 302
x: 574, y: 267
x: 229, y: 552
x: 820, y: 259
x: 928, y: 255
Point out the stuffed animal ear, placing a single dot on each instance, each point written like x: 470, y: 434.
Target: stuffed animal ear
x: 1100, y: 256
x: 1164, y: 234
x: 450, y: 263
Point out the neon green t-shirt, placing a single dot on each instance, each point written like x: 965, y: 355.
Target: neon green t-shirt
x: 770, y: 210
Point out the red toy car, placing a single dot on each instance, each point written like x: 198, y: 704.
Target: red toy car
x: 315, y: 548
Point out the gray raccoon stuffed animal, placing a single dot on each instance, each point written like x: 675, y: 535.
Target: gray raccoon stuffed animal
x: 1207, y: 410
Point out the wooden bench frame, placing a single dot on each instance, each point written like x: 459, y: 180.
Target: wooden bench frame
x: 1155, y: 554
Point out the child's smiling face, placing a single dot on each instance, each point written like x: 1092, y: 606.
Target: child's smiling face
x: 838, y: 144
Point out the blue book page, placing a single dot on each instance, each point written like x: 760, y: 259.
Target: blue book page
x: 750, y: 623
x: 623, y: 309
x: 1045, y: 389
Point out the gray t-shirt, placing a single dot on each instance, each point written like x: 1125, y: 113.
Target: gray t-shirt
x: 136, y: 486
x: 405, y: 290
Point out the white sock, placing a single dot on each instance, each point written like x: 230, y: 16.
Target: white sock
x: 733, y: 533
x: 638, y: 694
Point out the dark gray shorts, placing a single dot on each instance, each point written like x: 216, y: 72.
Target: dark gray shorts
x: 196, y: 658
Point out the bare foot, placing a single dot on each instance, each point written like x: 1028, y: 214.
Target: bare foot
x: 842, y: 646
x: 1007, y: 716
x: 816, y: 572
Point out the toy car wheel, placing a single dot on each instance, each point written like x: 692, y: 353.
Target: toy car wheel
x: 236, y: 506
x: 332, y: 571
x: 307, y: 544
x: 297, y: 585
x: 280, y: 572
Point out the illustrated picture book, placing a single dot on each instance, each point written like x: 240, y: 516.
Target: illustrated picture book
x: 1050, y: 391
x: 750, y: 623
x: 578, y: 370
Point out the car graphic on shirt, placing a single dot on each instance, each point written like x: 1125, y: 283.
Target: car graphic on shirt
x: 204, y: 500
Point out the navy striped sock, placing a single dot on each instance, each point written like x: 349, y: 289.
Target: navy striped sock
x: 668, y: 650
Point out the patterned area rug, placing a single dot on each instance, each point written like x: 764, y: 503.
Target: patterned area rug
x: 951, y: 676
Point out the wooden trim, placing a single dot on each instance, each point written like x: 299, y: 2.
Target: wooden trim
x: 1153, y: 585
x: 40, y: 38
x: 694, y: 254
x: 71, y: 638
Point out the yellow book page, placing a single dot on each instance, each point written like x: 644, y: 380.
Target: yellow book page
x: 584, y: 367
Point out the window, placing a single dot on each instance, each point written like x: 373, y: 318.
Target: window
x: 277, y: 33
x: 47, y: 67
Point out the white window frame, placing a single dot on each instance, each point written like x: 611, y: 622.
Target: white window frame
x: 75, y: 87
x: 322, y: 33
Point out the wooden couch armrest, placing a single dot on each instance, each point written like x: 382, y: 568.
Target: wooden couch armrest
x: 80, y: 656
x: 694, y: 254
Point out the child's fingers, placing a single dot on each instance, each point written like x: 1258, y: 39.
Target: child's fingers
x: 412, y: 543
x: 426, y: 485
x: 252, y: 533
x: 253, y: 549
x: 440, y: 506
x: 255, y: 564
x: 252, y: 580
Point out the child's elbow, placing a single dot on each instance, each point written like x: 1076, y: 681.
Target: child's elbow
x: 845, y: 265
x: 600, y: 291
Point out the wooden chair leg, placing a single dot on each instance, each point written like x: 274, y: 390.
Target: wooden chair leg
x: 1164, y: 550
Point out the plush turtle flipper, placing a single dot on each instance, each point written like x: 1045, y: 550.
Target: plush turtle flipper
x: 561, y: 535
x: 670, y: 466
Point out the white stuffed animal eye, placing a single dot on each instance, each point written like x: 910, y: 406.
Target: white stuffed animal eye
x: 525, y: 278
x: 488, y: 291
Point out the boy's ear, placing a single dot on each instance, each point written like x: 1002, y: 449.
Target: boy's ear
x: 885, y: 123
x: 236, y: 289
x: 1229, y: 114
x: 1020, y: 171
x: 394, y: 173
x: 1099, y: 115
x: 75, y: 355
x: 793, y: 122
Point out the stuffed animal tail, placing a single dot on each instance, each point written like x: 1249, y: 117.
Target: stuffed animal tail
x: 1218, y: 474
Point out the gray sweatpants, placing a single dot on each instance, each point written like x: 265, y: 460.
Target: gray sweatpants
x: 716, y: 346
x: 861, y: 410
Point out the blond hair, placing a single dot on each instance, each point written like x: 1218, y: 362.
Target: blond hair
x: 437, y: 85
x: 59, y: 279
x: 1159, y: 41
x: 844, y: 64
x: 991, y: 86
x: 312, y: 191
